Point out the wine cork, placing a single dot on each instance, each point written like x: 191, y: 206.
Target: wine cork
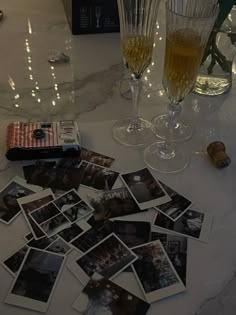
x: 217, y: 153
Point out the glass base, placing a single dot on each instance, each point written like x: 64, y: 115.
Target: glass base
x: 133, y: 134
x: 210, y: 85
x: 182, y: 130
x: 174, y: 162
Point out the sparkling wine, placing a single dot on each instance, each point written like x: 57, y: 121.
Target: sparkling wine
x: 182, y: 60
x: 137, y: 53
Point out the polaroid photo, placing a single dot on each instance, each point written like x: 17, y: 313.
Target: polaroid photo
x: 96, y: 158
x: 42, y: 243
x: 86, y: 155
x: 57, y: 192
x: 28, y: 236
x: 114, y: 203
x: 30, y: 203
x: 67, y: 200
x: 36, y: 231
x: 44, y: 213
x: 101, y: 296
x: 97, y: 177
x: 55, y: 178
x: 95, y: 223
x: 36, y: 200
x: 59, y: 246
x: 73, y: 231
x: 176, y: 249
x: 132, y: 233
x: 45, y: 163
x: 192, y: 224
x: 93, y: 236
x: 155, y: 273
x: 176, y: 207
x: 145, y: 189
x: 9, y: 207
x: 108, y: 258
x: 69, y: 162
x: 70, y: 233
x: 55, y: 225
x: 36, y: 280
x: 87, y: 193
x: 72, y: 206
x: 27, y: 169
x: 78, y: 211
x: 14, y: 261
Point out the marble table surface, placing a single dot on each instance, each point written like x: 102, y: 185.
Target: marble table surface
x: 88, y: 89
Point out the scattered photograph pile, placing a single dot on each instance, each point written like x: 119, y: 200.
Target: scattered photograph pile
x: 83, y: 205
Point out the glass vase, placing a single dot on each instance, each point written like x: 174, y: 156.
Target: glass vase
x: 215, y: 74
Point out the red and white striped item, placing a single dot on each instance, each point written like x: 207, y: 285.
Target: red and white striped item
x: 21, y: 135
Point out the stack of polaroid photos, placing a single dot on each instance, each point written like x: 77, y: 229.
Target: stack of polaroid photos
x: 84, y: 205
x: 37, y: 264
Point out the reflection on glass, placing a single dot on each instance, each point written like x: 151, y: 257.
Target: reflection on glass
x: 151, y: 81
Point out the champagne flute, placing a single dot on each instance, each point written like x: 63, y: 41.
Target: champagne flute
x: 137, y: 28
x: 188, y: 26
x: 98, y: 15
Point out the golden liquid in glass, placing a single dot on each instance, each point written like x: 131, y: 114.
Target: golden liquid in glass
x: 137, y: 53
x: 182, y: 60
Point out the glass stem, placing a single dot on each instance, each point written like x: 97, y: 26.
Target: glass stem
x: 135, y: 87
x: 168, y: 149
x: 178, y: 109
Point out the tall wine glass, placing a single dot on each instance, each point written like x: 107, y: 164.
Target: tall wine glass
x: 188, y: 26
x: 137, y: 28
